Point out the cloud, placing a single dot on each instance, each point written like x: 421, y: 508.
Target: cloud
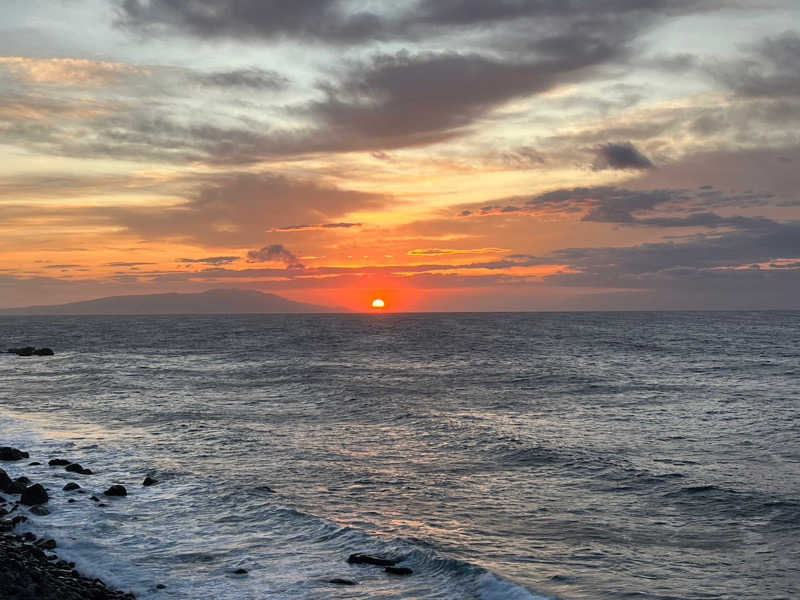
x: 320, y: 227
x: 128, y: 264
x: 277, y: 253
x: 252, y: 78
x: 211, y: 260
x: 454, y: 251
x: 238, y: 208
x: 68, y: 71
x: 621, y: 156
x: 771, y: 71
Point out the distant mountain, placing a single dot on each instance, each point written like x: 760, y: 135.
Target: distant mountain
x: 210, y: 302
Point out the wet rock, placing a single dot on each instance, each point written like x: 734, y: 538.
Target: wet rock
x: 59, y: 462
x: 367, y: 559
x: 47, y: 544
x: 23, y: 481
x: 34, y: 494
x: 24, y: 351
x: 77, y: 468
x: 160, y: 586
x: 94, y: 499
x: 71, y: 486
x: 34, y: 464
x: 71, y: 500
x: 399, y: 570
x: 116, y: 490
x: 340, y: 581
x: 29, y: 536
x: 9, y: 486
x: 40, y: 510
x: 240, y: 572
x: 149, y: 481
x: 8, y: 453
x: 44, y: 352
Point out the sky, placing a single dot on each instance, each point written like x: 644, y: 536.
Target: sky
x: 444, y: 155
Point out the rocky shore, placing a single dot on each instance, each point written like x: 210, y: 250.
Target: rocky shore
x: 30, y: 568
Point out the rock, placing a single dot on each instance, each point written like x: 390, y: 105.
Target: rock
x: 8, y: 453
x: 71, y: 486
x: 94, y: 498
x: 59, y: 462
x: 339, y: 581
x: 240, y: 572
x: 44, y: 352
x: 149, y: 481
x: 71, y: 500
x: 8, y: 486
x: 47, y: 544
x: 35, y: 494
x: 116, y: 490
x: 76, y: 468
x: 25, y: 351
x: 34, y: 464
x: 366, y: 559
x: 399, y: 570
x: 40, y: 510
x: 160, y: 586
x: 23, y: 481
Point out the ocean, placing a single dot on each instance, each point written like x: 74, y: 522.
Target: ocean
x: 500, y: 456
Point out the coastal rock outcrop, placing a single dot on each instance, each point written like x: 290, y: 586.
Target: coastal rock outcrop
x: 148, y: 481
x: 399, y: 570
x: 59, y: 462
x: 71, y: 486
x: 31, y: 351
x: 8, y: 453
x: 9, y: 486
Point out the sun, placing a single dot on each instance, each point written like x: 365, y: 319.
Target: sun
x: 378, y: 303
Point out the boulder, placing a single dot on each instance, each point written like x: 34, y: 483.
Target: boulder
x: 23, y: 481
x: 44, y: 352
x: 24, y: 351
x: 76, y: 468
x: 8, y: 453
x: 40, y: 510
x: 8, y: 486
x: 59, y: 462
x: 34, y: 494
x: 399, y: 570
x: 71, y: 486
x: 116, y: 490
x: 340, y: 581
x: 240, y: 572
x: 367, y: 559
x: 149, y: 481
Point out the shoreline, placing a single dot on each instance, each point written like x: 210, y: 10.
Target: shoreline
x: 30, y: 568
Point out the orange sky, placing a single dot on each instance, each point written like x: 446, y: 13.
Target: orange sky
x: 442, y: 158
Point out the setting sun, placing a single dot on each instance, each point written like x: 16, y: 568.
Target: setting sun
x: 378, y: 303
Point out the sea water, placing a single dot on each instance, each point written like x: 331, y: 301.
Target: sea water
x: 499, y: 456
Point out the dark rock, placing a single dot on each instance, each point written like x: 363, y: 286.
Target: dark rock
x: 29, y: 536
x: 94, y: 498
x: 24, y: 351
x: 40, y: 510
x: 102, y: 505
x: 116, y: 490
x: 71, y: 486
x: 47, y: 544
x: 160, y: 586
x: 149, y: 481
x: 399, y: 570
x: 76, y: 468
x: 59, y: 462
x: 35, y: 494
x: 339, y: 581
x: 23, y: 481
x: 8, y: 486
x: 34, y: 464
x: 366, y: 559
x: 71, y: 500
x: 44, y: 352
x: 240, y: 572
x: 8, y: 453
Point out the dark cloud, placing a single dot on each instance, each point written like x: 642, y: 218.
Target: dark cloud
x: 311, y: 19
x: 621, y: 156
x: 772, y: 70
x: 252, y: 78
x: 211, y: 260
x: 128, y: 264
x: 320, y: 227
x: 277, y: 253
